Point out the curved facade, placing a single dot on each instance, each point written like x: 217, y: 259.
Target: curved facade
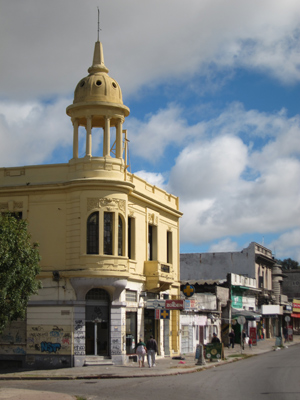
x: 109, y: 243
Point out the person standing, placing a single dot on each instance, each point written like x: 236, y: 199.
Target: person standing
x: 215, y: 338
x: 141, y: 351
x: 231, y: 338
x: 151, y: 350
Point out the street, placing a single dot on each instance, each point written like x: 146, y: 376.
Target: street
x: 273, y: 375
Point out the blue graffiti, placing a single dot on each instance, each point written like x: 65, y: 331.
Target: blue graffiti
x: 50, y: 347
x: 55, y: 334
x: 19, y: 350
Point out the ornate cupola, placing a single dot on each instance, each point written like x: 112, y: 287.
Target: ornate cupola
x: 98, y: 104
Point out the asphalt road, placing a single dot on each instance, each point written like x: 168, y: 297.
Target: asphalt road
x: 274, y: 375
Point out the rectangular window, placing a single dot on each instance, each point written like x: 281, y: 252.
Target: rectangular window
x: 131, y: 238
x: 108, y: 233
x: 17, y: 214
x: 165, y: 268
x: 131, y: 295
x: 152, y: 242
x: 260, y: 282
x: 169, y: 248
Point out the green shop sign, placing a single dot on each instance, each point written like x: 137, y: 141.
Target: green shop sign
x: 237, y: 301
x: 213, y: 351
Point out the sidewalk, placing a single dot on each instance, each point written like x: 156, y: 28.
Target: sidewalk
x: 164, y: 367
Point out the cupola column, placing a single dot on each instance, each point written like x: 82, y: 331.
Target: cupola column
x: 119, y: 138
x: 88, y: 150
x: 106, y: 139
x: 75, y: 138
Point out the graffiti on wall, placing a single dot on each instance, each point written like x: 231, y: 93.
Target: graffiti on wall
x: 79, y: 338
x: 116, y: 346
x: 50, y: 339
x: 13, y: 338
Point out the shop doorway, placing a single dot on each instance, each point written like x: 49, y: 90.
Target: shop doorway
x: 149, y: 324
x: 97, y: 324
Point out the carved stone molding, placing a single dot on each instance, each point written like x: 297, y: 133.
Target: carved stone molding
x: 11, y: 206
x: 152, y: 219
x: 110, y: 204
x: 14, y: 172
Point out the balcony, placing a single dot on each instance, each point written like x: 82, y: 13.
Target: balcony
x: 159, y: 276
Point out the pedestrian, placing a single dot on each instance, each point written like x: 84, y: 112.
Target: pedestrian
x: 243, y: 338
x: 250, y: 343
x: 231, y: 338
x: 151, y: 350
x: 285, y: 334
x: 141, y: 352
x: 215, y: 338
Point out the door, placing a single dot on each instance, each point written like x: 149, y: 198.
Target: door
x: 97, y: 323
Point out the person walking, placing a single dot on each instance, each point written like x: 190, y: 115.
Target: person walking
x: 250, y: 343
x: 215, y: 338
x: 141, y: 352
x: 151, y: 350
x: 243, y: 338
x: 231, y: 338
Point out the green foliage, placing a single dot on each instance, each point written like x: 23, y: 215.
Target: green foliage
x: 19, y: 265
x: 288, y: 263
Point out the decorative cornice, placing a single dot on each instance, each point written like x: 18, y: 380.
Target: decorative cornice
x: 110, y: 204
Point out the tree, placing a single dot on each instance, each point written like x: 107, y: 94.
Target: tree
x: 288, y: 263
x: 19, y: 266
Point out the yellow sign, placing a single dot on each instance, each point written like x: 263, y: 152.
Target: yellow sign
x: 296, y: 305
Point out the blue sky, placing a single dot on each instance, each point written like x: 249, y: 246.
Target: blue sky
x: 213, y: 88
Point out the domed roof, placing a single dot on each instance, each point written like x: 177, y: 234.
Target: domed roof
x: 98, y: 86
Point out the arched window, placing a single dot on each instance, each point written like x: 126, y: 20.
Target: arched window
x: 92, y: 234
x: 108, y: 233
x: 120, y: 236
x: 98, y: 294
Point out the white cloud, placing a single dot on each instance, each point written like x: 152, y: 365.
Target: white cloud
x: 150, y: 138
x: 145, y: 43
x: 225, y: 245
x: 287, y: 245
x: 206, y: 168
x: 155, y: 179
x: 31, y: 132
x: 227, y: 187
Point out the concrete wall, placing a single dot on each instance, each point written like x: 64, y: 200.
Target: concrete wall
x: 291, y: 284
x: 197, y: 266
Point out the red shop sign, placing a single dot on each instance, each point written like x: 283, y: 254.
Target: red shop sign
x: 253, y: 336
x: 174, y: 304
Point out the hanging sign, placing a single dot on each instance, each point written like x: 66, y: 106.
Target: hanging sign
x: 157, y: 314
x: 156, y: 304
x: 174, y: 304
x: 188, y: 290
x: 164, y: 314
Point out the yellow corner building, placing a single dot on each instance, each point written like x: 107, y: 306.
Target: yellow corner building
x: 109, y: 243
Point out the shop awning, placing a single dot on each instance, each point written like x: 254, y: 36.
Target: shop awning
x: 294, y: 315
x: 249, y: 315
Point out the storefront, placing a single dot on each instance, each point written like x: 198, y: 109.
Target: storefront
x: 252, y: 320
x: 296, y: 316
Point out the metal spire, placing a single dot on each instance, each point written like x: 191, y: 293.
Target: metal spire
x: 98, y: 23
